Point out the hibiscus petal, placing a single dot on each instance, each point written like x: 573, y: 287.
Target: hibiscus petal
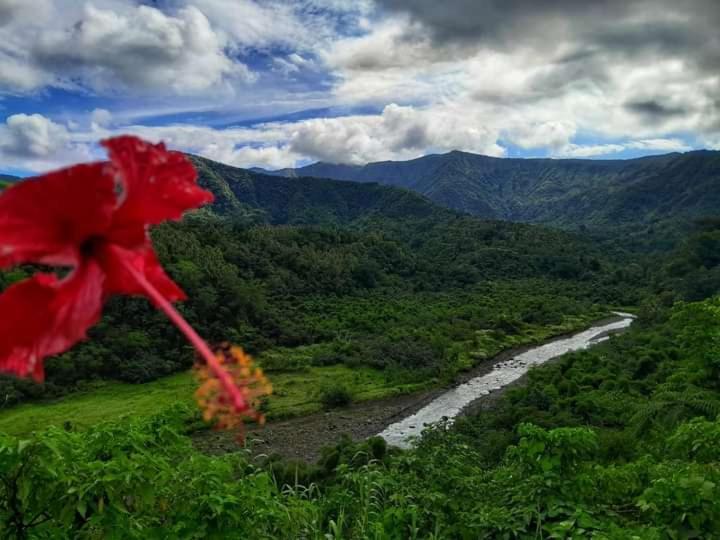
x: 159, y: 185
x: 115, y: 260
x: 46, y: 219
x: 43, y: 316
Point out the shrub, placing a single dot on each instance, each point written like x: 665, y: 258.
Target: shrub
x: 336, y: 396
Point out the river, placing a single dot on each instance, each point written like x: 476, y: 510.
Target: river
x: 449, y: 404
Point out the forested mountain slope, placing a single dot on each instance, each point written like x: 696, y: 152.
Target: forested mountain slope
x: 380, y: 284
x: 278, y: 200
x: 561, y: 192
x: 364, y: 275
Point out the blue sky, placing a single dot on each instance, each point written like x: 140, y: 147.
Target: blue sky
x: 278, y: 83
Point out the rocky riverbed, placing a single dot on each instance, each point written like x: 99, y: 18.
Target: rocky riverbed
x: 400, y: 418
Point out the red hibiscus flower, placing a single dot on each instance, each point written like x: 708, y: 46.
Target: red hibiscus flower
x: 93, y: 220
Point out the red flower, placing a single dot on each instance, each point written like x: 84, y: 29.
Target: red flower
x: 92, y: 219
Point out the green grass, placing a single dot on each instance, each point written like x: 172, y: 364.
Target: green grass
x: 295, y: 393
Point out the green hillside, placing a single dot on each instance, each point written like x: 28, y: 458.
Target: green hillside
x: 636, y: 195
x: 351, y: 291
x: 317, y: 273
x: 277, y: 200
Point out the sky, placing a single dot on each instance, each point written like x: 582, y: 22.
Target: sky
x: 278, y: 84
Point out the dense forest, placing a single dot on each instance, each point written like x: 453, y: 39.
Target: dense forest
x: 616, y: 442
x: 650, y: 200
x: 368, y: 274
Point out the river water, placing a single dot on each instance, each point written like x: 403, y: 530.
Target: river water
x: 449, y: 404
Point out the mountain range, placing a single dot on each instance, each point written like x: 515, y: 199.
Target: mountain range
x: 650, y: 201
x: 570, y: 193
x: 448, y: 241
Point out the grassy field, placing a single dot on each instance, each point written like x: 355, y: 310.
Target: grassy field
x: 295, y: 392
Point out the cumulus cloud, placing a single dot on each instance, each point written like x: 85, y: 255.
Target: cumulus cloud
x: 171, y: 48
x: 115, y: 46
x: 100, y: 118
x: 16, y: 76
x: 613, y: 68
x: 398, y: 133
x: 550, y: 134
x: 36, y: 143
x: 33, y: 136
x: 536, y: 78
x: 23, y: 10
x: 143, y: 48
x: 589, y: 150
x: 571, y: 150
x: 665, y: 145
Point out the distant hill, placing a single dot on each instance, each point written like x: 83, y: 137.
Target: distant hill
x: 561, y: 192
x: 279, y: 200
x: 446, y: 240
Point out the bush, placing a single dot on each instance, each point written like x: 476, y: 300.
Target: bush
x: 335, y: 396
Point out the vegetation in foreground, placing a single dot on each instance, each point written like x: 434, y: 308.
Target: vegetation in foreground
x: 621, y: 441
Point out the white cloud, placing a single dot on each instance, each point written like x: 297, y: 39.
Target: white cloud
x: 550, y: 134
x: 594, y: 150
x: 15, y: 76
x: 385, y: 65
x: 36, y: 143
x: 608, y: 81
x: 303, y: 25
x: 629, y: 85
x: 268, y: 157
x: 100, y: 118
x: 114, y: 47
x: 398, y: 133
x: 250, y: 23
x: 12, y: 11
x: 143, y: 48
x: 712, y: 142
x: 590, y: 150
x: 33, y: 136
x: 665, y: 145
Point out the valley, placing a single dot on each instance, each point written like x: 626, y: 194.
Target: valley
x: 374, y: 310
x: 397, y: 418
x: 359, y: 270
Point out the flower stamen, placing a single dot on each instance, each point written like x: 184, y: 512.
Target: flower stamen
x: 217, y: 405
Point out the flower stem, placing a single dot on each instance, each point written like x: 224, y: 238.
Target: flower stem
x: 239, y: 403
